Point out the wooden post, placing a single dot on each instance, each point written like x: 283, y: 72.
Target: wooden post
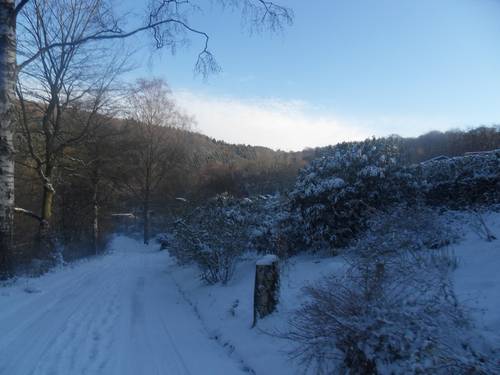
x: 266, y: 291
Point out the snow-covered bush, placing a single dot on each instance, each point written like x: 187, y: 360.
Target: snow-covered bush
x: 402, y: 228
x: 216, y: 234
x: 213, y: 236
x: 461, y: 181
x: 273, y: 229
x: 337, y: 193
x: 393, y: 311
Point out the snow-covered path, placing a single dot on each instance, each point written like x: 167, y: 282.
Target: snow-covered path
x: 118, y: 314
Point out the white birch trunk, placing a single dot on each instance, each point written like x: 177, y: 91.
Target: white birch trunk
x: 7, y: 99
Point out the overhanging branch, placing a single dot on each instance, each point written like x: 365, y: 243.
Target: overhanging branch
x: 117, y: 33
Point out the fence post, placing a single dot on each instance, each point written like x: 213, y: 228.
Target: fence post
x: 266, y: 290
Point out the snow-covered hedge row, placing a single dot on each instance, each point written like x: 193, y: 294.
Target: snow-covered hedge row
x: 461, y: 181
x: 332, y: 200
x: 336, y: 194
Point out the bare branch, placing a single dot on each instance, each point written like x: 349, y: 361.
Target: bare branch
x: 29, y: 213
x: 20, y: 6
x: 166, y: 22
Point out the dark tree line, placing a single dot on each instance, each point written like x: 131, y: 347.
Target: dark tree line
x: 147, y: 163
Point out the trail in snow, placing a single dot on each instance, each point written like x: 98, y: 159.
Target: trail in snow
x: 118, y: 314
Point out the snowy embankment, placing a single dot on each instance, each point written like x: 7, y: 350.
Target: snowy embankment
x: 116, y: 314
x: 227, y: 310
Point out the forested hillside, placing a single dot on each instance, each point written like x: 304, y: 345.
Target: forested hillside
x: 102, y: 174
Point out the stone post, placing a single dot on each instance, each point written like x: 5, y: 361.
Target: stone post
x: 266, y: 291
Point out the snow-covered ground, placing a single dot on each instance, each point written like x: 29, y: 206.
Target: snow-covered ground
x: 227, y: 310
x: 117, y: 314
x: 477, y: 278
x: 135, y: 311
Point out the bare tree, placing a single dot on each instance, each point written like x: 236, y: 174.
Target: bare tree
x: 155, y: 151
x: 168, y: 23
x: 60, y: 93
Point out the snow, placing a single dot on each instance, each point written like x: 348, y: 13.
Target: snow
x: 117, y: 314
x: 371, y: 171
x: 477, y: 278
x: 227, y: 311
x: 135, y: 311
x: 267, y: 260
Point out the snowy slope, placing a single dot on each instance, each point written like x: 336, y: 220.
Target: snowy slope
x: 117, y: 314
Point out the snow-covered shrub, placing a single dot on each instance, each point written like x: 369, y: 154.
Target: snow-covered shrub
x: 273, y: 230
x: 461, y: 181
x: 402, y: 228
x: 337, y: 193
x: 392, y: 312
x: 213, y: 236
x: 216, y: 234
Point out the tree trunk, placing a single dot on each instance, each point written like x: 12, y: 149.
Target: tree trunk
x: 48, y: 199
x: 146, y: 220
x: 95, y: 226
x: 45, y: 243
x: 7, y: 98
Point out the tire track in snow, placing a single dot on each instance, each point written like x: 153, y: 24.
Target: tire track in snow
x: 117, y: 315
x: 10, y: 330
x: 71, y: 338
x: 42, y: 327
x: 86, y: 333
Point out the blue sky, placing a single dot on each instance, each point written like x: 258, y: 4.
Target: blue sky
x: 346, y: 69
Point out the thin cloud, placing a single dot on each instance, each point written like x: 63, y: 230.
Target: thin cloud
x: 278, y: 124
x: 293, y: 125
